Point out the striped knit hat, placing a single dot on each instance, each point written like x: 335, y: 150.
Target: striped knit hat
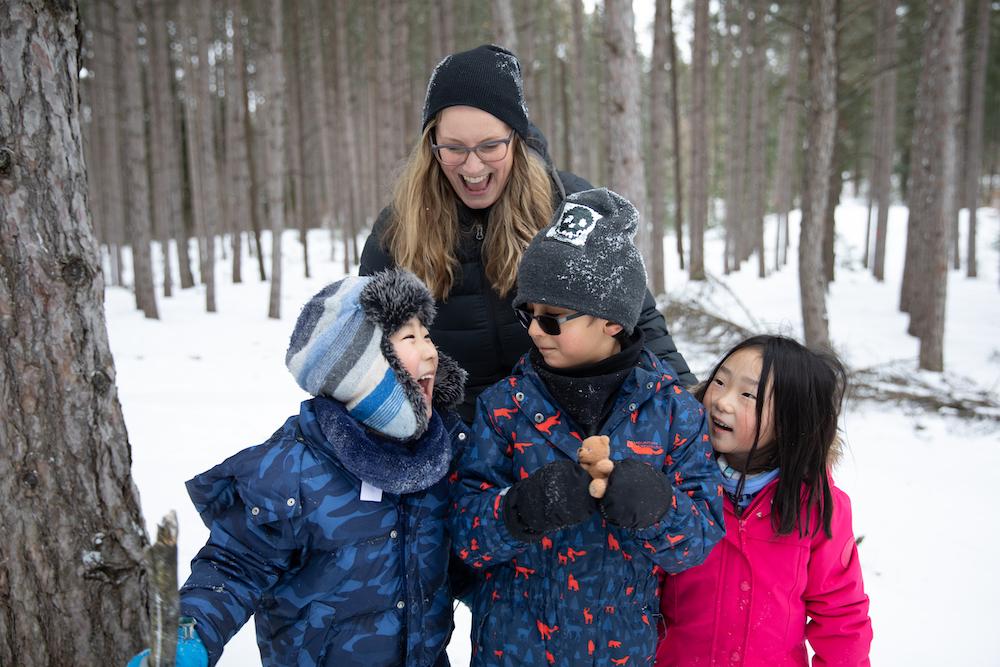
x: 340, y: 348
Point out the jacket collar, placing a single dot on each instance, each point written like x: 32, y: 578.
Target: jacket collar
x: 529, y: 393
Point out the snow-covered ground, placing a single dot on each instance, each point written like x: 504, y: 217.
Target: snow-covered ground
x: 196, y: 388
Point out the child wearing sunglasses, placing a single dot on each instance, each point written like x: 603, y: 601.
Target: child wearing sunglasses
x: 565, y: 578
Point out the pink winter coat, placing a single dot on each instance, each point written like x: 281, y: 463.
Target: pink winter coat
x: 748, y: 604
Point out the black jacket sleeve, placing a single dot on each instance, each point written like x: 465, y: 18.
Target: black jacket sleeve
x: 659, y: 340
x: 375, y: 257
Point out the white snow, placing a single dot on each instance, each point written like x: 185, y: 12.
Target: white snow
x: 195, y: 388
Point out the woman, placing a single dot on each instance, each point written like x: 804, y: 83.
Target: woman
x: 477, y: 187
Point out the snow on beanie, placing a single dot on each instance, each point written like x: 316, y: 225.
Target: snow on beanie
x: 340, y: 348
x: 585, y: 260
x: 487, y: 77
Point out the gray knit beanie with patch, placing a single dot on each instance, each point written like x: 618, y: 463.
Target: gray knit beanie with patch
x: 586, y: 260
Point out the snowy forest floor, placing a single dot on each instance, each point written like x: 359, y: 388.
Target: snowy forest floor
x: 920, y: 447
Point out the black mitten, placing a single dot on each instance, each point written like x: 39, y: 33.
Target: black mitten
x: 638, y: 495
x: 553, y: 497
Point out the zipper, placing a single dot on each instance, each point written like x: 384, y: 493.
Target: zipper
x: 402, y: 561
x: 479, y: 231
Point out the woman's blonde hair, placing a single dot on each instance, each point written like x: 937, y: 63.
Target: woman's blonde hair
x: 423, y: 233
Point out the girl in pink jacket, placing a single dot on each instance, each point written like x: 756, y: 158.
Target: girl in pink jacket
x: 787, y: 571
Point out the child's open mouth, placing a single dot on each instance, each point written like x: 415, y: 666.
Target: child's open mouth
x: 426, y: 383
x: 719, y: 425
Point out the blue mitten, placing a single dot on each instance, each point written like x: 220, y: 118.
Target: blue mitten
x: 190, y: 651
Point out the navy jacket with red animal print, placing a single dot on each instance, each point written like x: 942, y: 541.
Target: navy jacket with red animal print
x: 586, y: 594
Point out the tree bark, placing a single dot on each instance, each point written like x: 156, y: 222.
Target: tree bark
x: 658, y: 145
x: 698, y: 193
x: 580, y: 119
x: 73, y: 587
x: 295, y: 148
x: 822, y: 137
x: 757, y: 156
x: 165, y: 151
x: 503, y: 24
x: 628, y: 173
x: 137, y: 174
x: 884, y: 114
x: 211, y: 203
x: 348, y: 128
x: 788, y: 145
x: 932, y: 185
x: 974, y: 130
x: 253, y: 194
x: 274, y: 110
x: 675, y: 122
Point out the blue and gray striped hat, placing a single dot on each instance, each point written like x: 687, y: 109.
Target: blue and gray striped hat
x: 340, y: 349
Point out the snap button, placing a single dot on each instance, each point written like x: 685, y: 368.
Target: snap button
x: 649, y: 385
x: 290, y: 502
x: 760, y: 515
x: 539, y: 418
x: 400, y: 604
x: 255, y: 511
x: 519, y: 396
x: 461, y: 436
x: 744, y: 586
x: 393, y: 533
x: 632, y: 407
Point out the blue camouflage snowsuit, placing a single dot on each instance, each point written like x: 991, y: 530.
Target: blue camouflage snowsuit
x: 331, y: 579
x: 584, y: 595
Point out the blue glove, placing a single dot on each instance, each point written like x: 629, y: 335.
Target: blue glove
x: 190, y: 651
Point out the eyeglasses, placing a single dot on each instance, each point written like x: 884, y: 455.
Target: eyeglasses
x: 488, y: 151
x: 548, y: 323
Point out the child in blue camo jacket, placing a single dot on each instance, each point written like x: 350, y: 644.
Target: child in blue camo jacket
x: 332, y: 533
x: 564, y: 578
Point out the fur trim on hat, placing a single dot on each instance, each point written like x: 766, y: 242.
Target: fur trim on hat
x: 394, y: 296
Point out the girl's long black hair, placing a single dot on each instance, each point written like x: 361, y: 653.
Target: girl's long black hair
x: 807, y: 389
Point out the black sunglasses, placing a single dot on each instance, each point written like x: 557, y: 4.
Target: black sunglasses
x: 548, y: 323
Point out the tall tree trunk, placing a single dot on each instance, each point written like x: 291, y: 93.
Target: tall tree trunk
x: 675, y: 122
x: 503, y: 24
x: 757, y: 156
x: 274, y: 110
x: 253, y: 195
x: 884, y: 114
x: 580, y: 122
x: 658, y: 145
x: 348, y: 128
x: 137, y: 184
x: 932, y: 185
x: 294, y: 143
x: 321, y: 102
x: 73, y: 586
x: 699, y: 140
x: 788, y: 144
x: 237, y: 188
x: 822, y: 137
x: 974, y: 129
x: 206, y: 145
x: 628, y: 173
x: 738, y: 86
x: 385, y: 129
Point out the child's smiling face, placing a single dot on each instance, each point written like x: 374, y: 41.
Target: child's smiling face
x: 731, y: 402
x: 581, y: 340
x: 417, y: 354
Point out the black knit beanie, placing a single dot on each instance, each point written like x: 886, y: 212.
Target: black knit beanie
x: 585, y: 260
x: 487, y: 77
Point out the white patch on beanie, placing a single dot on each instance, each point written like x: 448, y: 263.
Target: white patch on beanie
x: 575, y: 224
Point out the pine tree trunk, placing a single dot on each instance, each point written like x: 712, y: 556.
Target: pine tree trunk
x: 206, y: 145
x: 884, y: 115
x: 580, y: 125
x: 237, y: 187
x: 295, y: 140
x: 699, y: 140
x: 253, y: 193
x: 658, y: 146
x: 165, y: 152
x: 974, y: 129
x: 788, y: 145
x: 675, y: 122
x: 757, y: 155
x: 137, y: 174
x: 503, y: 24
x: 932, y: 186
x: 822, y: 138
x: 73, y: 587
x: 628, y: 173
x: 348, y: 128
x: 274, y: 110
